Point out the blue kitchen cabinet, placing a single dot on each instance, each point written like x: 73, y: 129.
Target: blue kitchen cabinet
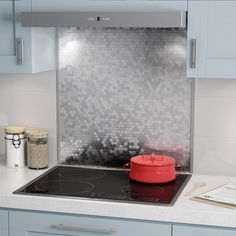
x: 24, y: 50
x: 30, y: 223
x: 197, y: 37
x: 99, y: 5
x: 211, y: 39
x: 47, y: 224
x: 7, y: 36
x: 187, y: 230
x: 3, y: 223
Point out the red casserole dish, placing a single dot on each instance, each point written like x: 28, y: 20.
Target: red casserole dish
x: 152, y: 168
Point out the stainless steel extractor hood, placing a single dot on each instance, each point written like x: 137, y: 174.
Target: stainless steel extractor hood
x: 157, y: 19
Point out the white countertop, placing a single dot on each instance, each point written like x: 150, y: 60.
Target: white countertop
x: 183, y: 211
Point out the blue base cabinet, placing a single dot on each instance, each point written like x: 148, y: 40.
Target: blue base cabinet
x: 211, y: 39
x: 30, y: 223
x: 44, y: 224
x: 186, y: 230
x: 3, y: 232
x: 24, y: 50
x: 3, y: 223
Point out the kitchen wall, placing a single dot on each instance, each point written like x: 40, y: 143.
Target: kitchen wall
x: 215, y: 127
x: 29, y: 100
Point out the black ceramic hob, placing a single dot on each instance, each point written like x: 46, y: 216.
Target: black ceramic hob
x: 103, y: 184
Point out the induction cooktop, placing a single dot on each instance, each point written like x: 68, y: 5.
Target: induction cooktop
x: 102, y: 184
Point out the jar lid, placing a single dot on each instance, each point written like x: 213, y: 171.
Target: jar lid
x: 37, y: 133
x: 153, y: 160
x: 15, y: 129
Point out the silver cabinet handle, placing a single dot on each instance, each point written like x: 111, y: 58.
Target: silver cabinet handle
x: 77, y: 228
x: 193, y: 45
x: 20, y: 51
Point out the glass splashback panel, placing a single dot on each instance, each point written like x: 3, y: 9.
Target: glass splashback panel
x: 123, y: 92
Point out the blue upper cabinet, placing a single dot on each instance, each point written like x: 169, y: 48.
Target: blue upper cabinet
x: 221, y: 51
x: 197, y: 38
x: 24, y: 50
x: 211, y: 39
x: 7, y: 36
x: 107, y: 5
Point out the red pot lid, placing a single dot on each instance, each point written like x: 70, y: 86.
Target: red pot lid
x: 153, y: 160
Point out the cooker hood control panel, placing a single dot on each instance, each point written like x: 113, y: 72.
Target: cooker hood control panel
x: 98, y: 18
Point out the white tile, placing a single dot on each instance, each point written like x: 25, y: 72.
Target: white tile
x: 215, y: 87
x: 215, y: 117
x: 2, y: 141
x: 3, y: 119
x: 52, y: 146
x: 214, y: 156
x: 29, y: 100
x: 45, y: 81
x: 32, y: 109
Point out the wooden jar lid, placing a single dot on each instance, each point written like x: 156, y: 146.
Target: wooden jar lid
x: 15, y: 129
x: 37, y: 133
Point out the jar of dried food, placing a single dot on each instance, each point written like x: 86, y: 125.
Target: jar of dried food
x: 37, y: 148
x: 15, y: 146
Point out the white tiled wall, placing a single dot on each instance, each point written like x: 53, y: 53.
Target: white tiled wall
x: 29, y: 100
x: 215, y: 127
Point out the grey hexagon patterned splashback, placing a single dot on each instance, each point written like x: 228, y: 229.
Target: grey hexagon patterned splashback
x: 123, y: 92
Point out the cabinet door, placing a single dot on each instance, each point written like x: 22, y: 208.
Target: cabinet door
x: 15, y: 41
x: 4, y: 232
x: 39, y: 47
x: 3, y: 223
x: 211, y: 39
x: 182, y: 230
x: 197, y: 35
x: 40, y: 224
x: 7, y: 36
x: 221, y: 40
x: 23, y: 63
x: 22, y: 49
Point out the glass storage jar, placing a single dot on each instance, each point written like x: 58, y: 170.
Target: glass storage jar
x: 37, y: 148
x: 15, y: 146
